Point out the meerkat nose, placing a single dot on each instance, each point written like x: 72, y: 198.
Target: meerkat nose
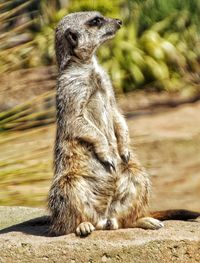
x: 119, y: 22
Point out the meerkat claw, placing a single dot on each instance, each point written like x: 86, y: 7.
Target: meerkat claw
x: 110, y: 166
x: 126, y: 157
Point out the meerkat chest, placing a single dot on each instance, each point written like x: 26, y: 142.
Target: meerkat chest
x: 99, y: 106
x: 101, y: 96
x: 101, y: 79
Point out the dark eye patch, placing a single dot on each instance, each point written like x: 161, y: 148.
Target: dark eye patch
x: 96, y: 21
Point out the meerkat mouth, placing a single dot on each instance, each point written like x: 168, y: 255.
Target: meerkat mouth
x: 109, y: 34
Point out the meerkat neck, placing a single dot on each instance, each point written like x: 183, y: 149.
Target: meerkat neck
x: 95, y: 64
x: 92, y: 62
x: 78, y: 67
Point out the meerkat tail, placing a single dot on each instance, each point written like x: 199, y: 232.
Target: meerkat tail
x: 176, y: 214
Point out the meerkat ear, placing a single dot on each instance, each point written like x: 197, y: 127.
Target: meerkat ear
x: 72, y: 42
x: 72, y: 37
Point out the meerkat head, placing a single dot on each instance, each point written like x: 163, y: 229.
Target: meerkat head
x: 78, y: 35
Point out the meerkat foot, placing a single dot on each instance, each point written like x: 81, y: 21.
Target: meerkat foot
x: 107, y: 224
x: 149, y: 223
x: 84, y: 229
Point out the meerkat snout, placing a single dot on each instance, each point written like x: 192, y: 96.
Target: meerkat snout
x: 119, y: 22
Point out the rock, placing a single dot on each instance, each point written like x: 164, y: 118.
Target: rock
x: 24, y: 238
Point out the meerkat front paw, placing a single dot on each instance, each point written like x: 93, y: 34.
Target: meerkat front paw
x: 105, y: 158
x: 84, y: 229
x: 125, y: 156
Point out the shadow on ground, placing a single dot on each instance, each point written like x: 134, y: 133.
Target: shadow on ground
x: 38, y: 226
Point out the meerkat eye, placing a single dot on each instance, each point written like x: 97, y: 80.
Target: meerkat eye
x: 97, y: 21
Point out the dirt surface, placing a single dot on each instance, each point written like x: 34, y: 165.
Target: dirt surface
x: 168, y: 144
x: 177, y: 242
x: 25, y: 84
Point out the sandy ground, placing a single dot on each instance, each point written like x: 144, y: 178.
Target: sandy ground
x: 176, y: 242
x: 167, y: 143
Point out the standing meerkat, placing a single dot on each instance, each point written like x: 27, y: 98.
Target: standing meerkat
x: 98, y: 182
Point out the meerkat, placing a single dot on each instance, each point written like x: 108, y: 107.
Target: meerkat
x: 98, y: 182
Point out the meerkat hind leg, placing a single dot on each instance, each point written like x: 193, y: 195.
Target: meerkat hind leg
x: 148, y: 223
x: 84, y: 229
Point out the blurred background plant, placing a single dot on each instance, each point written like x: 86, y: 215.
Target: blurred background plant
x: 158, y: 46
x: 156, y: 51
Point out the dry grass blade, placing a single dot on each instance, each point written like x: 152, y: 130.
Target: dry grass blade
x: 16, y: 40
x: 18, y: 29
x: 16, y: 48
x: 27, y: 165
x: 14, y: 11
x: 6, y: 3
x: 36, y: 112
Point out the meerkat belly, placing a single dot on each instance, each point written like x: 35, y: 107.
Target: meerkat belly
x: 94, y: 185
x: 99, y: 112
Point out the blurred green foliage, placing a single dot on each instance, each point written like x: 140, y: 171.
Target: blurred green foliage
x: 157, y: 47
